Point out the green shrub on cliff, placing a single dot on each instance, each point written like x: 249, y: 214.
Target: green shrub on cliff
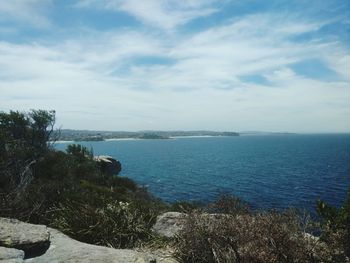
x: 335, y: 226
x: 236, y: 234
x: 245, y: 238
x: 68, y: 190
x: 23, y: 142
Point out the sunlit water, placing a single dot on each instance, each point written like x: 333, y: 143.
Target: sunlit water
x: 267, y: 171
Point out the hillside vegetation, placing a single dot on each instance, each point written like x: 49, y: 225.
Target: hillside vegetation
x: 67, y: 190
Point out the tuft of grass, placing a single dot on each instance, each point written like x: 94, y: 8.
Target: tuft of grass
x: 263, y: 237
x: 229, y: 204
x: 115, y: 224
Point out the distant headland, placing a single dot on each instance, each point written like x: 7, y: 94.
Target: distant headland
x: 91, y: 135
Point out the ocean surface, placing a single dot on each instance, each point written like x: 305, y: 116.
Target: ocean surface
x: 274, y: 171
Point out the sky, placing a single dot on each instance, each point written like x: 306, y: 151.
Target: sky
x: 229, y: 65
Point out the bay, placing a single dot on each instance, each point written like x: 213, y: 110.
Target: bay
x: 274, y: 171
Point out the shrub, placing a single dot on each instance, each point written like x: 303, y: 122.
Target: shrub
x: 265, y: 237
x: 67, y: 190
x: 335, y: 226
x: 185, y: 206
x: 116, y: 224
x: 23, y: 142
x: 229, y: 204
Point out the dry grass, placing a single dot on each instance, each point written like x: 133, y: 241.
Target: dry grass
x: 264, y: 237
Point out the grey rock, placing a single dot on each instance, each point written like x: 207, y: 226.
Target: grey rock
x: 32, y: 239
x: 65, y: 249
x: 169, y: 224
x: 11, y: 255
x: 14, y: 233
x: 108, y: 164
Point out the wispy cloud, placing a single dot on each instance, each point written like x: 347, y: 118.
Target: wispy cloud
x: 140, y: 78
x: 23, y: 12
x: 164, y: 14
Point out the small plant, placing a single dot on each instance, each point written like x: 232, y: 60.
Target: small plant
x: 229, y: 204
x: 185, y: 206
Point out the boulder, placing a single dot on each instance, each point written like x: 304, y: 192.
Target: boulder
x: 32, y: 239
x: 108, y: 164
x: 61, y: 248
x: 65, y: 249
x: 169, y: 224
x: 11, y: 255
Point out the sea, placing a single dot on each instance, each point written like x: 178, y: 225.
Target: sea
x: 267, y: 171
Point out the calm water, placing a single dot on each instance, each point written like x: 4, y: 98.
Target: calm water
x: 267, y: 171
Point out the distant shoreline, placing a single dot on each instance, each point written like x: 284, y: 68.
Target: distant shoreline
x: 85, y: 135
x: 139, y: 139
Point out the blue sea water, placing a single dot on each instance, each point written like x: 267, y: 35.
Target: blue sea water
x: 275, y: 171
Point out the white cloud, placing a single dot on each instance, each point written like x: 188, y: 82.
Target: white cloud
x: 94, y: 82
x: 33, y: 12
x: 165, y: 14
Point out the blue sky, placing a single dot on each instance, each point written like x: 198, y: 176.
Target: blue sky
x: 179, y: 65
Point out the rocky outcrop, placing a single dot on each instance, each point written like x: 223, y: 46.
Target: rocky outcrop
x: 32, y: 239
x: 65, y: 249
x: 108, y: 164
x: 11, y: 255
x: 169, y: 224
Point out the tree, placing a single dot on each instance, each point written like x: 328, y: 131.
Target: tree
x: 24, y: 138
x: 80, y: 152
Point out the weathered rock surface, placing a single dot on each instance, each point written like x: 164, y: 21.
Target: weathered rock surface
x: 11, y: 255
x: 169, y: 224
x: 65, y: 249
x: 108, y: 164
x: 32, y: 239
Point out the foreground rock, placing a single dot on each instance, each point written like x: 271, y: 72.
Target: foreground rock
x: 169, y: 224
x: 65, y: 249
x: 62, y: 248
x: 11, y: 255
x: 32, y: 239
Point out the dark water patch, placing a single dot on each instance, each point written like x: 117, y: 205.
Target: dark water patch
x: 267, y: 171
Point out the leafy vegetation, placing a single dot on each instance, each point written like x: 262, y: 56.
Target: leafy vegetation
x: 336, y: 228
x: 67, y: 190
x: 234, y: 233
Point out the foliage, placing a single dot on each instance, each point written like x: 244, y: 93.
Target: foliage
x: 115, y: 223
x: 263, y: 237
x: 185, y: 206
x: 80, y: 152
x: 336, y: 228
x: 68, y: 190
x: 229, y: 204
x: 231, y: 232
x: 23, y: 141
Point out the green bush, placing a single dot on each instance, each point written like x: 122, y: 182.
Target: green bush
x: 229, y: 204
x: 335, y: 226
x: 23, y: 142
x: 67, y: 190
x: 115, y: 223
